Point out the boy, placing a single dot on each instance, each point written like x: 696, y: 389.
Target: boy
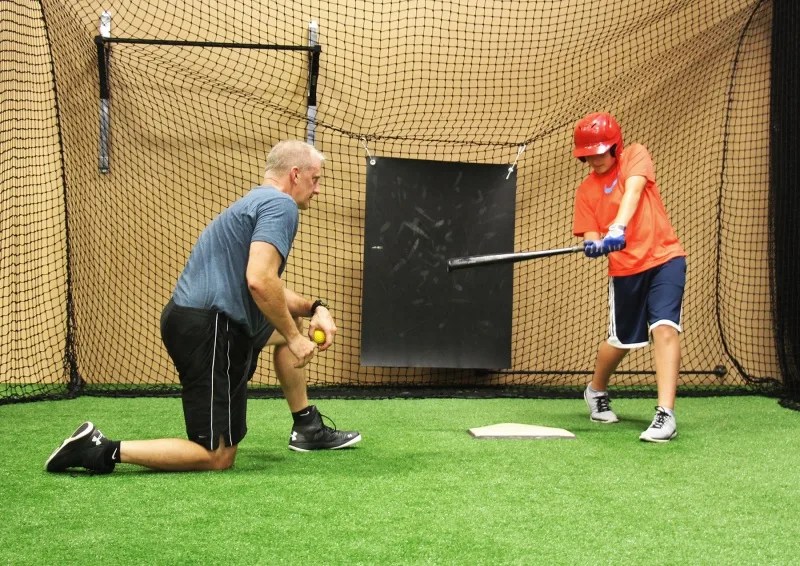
x: 619, y: 214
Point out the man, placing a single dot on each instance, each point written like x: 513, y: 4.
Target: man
x: 228, y: 304
x: 619, y: 214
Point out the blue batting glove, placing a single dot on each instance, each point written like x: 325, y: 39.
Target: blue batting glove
x: 593, y: 248
x: 615, y: 238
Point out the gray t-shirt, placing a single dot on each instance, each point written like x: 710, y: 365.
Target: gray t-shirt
x: 215, y: 274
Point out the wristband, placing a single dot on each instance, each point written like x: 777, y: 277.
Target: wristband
x: 317, y: 303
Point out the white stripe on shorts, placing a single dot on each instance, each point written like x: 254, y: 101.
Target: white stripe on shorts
x: 228, y: 376
x: 213, y: 366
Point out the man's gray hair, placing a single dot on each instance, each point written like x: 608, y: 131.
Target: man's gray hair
x: 293, y: 153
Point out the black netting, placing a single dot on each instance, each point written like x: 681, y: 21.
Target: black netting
x: 196, y: 98
x: 785, y: 200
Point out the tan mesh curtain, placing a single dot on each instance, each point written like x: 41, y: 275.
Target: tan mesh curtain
x: 466, y: 81
x: 33, y: 245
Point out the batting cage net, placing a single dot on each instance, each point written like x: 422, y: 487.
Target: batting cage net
x: 126, y: 128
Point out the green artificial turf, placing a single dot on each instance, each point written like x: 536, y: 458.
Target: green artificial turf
x: 418, y: 489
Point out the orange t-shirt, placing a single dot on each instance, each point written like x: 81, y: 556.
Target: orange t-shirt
x: 650, y: 239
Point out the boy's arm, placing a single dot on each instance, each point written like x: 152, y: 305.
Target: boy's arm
x: 630, y: 200
x: 615, y: 238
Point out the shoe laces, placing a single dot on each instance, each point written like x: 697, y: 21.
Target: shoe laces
x: 322, y: 430
x: 602, y: 403
x: 660, y: 418
x: 326, y: 427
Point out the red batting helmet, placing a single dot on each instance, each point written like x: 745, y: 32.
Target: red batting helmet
x: 595, y: 134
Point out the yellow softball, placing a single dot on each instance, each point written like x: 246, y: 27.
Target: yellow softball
x: 319, y: 336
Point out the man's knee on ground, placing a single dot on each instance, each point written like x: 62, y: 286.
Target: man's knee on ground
x: 222, y: 458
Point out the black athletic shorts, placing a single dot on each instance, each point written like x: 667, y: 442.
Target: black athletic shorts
x: 215, y: 359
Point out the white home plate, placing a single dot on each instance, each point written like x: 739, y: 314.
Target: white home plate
x: 514, y: 430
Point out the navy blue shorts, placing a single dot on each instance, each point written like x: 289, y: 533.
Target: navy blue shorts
x: 638, y: 303
x: 215, y: 359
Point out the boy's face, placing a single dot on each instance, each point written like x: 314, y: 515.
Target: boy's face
x: 601, y: 163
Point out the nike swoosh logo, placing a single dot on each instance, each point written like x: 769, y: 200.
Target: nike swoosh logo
x: 607, y: 190
x: 114, y: 455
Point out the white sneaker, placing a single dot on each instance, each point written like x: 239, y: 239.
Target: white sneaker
x: 662, y: 429
x: 599, y: 407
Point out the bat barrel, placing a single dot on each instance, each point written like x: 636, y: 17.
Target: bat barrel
x: 455, y: 263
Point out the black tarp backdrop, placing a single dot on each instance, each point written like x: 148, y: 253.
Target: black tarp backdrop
x: 785, y: 191
x: 415, y: 313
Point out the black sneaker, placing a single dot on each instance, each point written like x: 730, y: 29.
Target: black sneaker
x: 83, y: 449
x: 318, y: 436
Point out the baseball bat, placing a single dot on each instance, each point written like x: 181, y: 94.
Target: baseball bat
x: 491, y: 259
